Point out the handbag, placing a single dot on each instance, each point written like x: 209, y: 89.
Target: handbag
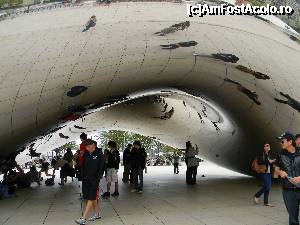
x: 257, y: 167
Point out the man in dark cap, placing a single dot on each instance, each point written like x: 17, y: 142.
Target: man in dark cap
x: 288, y: 169
x: 92, y: 172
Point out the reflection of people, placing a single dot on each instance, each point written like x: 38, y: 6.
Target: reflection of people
x: 263, y: 158
x: 288, y: 169
x: 290, y: 101
x: 180, y: 44
x: 92, y: 172
x: 251, y: 94
x: 226, y: 57
x: 192, y: 163
x: 173, y: 28
x: 257, y: 75
x: 168, y: 114
x: 221, y: 56
x: 90, y: 23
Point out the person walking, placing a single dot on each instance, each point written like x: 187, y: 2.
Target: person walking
x: 138, y: 164
x: 287, y: 167
x: 127, y: 164
x: 92, y: 172
x: 263, y: 158
x: 112, y: 166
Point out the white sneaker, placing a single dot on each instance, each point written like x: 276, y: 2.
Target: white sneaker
x: 256, y: 200
x: 140, y: 192
x: 133, y: 190
x: 95, y: 217
x: 80, y: 221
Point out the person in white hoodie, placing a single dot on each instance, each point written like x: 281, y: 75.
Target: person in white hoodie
x: 192, y: 163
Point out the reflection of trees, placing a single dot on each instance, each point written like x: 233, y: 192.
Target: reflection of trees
x: 122, y: 138
x: 10, y: 3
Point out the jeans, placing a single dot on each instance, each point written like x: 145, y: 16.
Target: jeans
x: 267, y: 179
x: 138, y: 175
x: 292, y: 200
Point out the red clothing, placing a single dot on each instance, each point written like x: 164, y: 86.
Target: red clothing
x: 82, y: 150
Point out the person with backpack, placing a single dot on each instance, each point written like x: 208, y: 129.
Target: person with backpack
x: 112, y: 166
x: 263, y: 158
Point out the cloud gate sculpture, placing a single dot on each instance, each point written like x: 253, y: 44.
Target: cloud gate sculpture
x: 226, y: 83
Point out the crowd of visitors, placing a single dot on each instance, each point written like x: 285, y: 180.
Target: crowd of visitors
x: 90, y: 164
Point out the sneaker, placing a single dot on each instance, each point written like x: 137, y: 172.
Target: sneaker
x: 133, y: 190
x: 256, y: 200
x: 115, y: 194
x: 106, y: 194
x: 95, y: 217
x: 80, y: 221
x: 140, y: 192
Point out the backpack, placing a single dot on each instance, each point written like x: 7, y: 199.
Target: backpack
x: 49, y: 182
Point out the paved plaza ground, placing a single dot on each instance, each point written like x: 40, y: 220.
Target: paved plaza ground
x: 221, y: 197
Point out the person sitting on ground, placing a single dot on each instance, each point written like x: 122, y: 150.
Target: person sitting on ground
x: 91, y: 23
x: 112, y: 166
x: 44, y: 167
x: 33, y: 175
x: 92, y: 172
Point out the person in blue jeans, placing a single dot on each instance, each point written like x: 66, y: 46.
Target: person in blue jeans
x: 263, y: 158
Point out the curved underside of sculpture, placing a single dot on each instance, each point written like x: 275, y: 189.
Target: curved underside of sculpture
x: 230, y: 82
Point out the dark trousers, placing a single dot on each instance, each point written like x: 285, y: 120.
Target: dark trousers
x: 176, y: 168
x: 292, y: 200
x: 191, y: 174
x: 267, y: 180
x: 126, y: 173
x: 137, y: 174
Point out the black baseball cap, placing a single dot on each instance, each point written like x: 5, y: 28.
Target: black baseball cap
x: 286, y: 135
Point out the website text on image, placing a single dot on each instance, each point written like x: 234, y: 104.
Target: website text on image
x: 243, y: 9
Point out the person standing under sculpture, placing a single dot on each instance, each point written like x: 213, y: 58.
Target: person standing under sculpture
x: 263, y: 158
x: 287, y: 167
x: 138, y: 164
x: 92, y: 172
x: 192, y: 163
x: 127, y: 164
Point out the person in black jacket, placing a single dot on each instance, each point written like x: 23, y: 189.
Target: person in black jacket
x: 112, y: 156
x: 92, y: 172
x: 263, y: 158
x: 288, y: 169
x: 126, y: 163
x: 138, y: 164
